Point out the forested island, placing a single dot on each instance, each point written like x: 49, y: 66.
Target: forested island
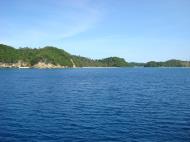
x: 52, y: 57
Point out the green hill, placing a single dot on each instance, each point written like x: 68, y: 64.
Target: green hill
x: 47, y: 55
x: 114, y: 62
x: 54, y: 56
x: 8, y: 54
x: 169, y: 63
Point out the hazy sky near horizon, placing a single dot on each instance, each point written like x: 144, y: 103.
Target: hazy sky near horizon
x: 137, y: 30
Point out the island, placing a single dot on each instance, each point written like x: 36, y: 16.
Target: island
x: 52, y: 57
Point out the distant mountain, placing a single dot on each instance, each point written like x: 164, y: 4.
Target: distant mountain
x: 51, y: 57
x: 169, y: 63
x: 134, y: 64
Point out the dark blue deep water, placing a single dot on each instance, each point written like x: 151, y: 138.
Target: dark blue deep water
x: 95, y: 105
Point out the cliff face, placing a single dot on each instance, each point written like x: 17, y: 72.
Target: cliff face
x: 21, y: 64
x: 47, y: 65
x: 14, y: 65
x: 74, y: 66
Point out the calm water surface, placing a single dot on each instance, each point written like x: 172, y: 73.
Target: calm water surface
x: 95, y: 105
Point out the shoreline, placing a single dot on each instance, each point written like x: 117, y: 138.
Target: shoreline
x: 88, y: 67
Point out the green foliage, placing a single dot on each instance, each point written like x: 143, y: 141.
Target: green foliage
x: 32, y: 56
x: 153, y: 64
x: 107, y: 62
x: 8, y: 54
x: 27, y: 55
x: 60, y: 57
x: 134, y: 64
x: 85, y: 62
x: 54, y: 56
x: 173, y: 63
x: 114, y: 62
x: 169, y: 63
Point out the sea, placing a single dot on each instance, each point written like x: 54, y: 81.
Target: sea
x: 95, y: 105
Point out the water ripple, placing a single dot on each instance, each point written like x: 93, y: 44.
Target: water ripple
x: 115, y: 105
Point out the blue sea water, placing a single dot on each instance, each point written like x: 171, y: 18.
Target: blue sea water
x: 95, y: 105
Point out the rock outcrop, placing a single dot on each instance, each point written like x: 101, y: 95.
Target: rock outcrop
x: 14, y: 65
x: 74, y: 66
x: 21, y: 64
x: 47, y: 65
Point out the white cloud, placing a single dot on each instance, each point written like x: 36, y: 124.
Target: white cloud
x: 50, y: 21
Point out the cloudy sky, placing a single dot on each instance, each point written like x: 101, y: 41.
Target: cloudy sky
x: 137, y: 30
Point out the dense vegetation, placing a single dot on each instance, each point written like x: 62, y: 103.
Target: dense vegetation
x: 57, y: 56
x: 8, y: 54
x: 134, y: 64
x: 113, y: 62
x: 169, y: 63
x: 54, y: 56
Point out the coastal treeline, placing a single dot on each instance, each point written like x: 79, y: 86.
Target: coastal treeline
x: 55, y: 56
x: 169, y: 63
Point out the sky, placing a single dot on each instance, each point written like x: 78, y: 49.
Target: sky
x: 137, y: 30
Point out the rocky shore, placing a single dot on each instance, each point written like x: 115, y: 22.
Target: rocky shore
x: 20, y: 64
